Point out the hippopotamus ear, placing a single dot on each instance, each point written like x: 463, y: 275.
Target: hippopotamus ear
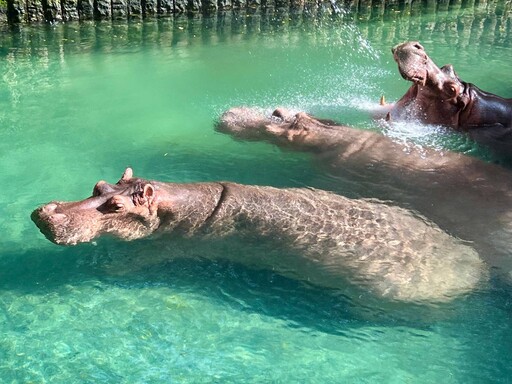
x: 143, y: 194
x: 127, y: 174
x: 448, y: 70
x: 149, y: 193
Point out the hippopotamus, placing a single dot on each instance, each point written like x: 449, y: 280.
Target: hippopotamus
x: 465, y: 196
x: 439, y: 96
x: 328, y: 239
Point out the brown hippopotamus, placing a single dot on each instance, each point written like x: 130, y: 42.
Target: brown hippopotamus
x: 467, y: 197
x: 383, y: 249
x: 439, y: 96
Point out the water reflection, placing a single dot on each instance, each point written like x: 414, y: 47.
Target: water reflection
x: 472, y: 32
x: 461, y: 25
x: 120, y: 302
x: 80, y: 101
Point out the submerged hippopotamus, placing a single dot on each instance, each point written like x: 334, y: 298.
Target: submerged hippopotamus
x: 439, y: 96
x: 463, y: 195
x: 325, y: 238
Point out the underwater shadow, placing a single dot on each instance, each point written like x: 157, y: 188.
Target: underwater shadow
x: 149, y: 262
x: 146, y: 263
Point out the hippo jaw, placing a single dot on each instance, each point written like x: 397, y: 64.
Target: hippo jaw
x: 415, y: 65
x: 126, y: 210
x: 413, y: 62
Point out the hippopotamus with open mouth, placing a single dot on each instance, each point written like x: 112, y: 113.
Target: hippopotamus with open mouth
x: 439, y: 96
x: 329, y: 239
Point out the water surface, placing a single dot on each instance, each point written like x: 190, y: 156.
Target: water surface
x: 80, y: 102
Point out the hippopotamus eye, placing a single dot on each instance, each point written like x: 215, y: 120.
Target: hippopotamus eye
x: 277, y: 116
x: 451, y: 89
x: 119, y: 207
x: 116, y: 204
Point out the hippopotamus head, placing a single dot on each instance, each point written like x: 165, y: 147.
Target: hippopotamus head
x: 415, y: 65
x: 298, y: 131
x: 124, y: 209
x: 437, y: 96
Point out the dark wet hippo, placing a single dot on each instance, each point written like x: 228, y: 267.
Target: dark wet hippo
x: 465, y: 196
x: 384, y: 249
x: 439, y: 96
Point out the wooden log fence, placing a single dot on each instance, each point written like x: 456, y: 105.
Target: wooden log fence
x: 477, y: 24
x: 51, y: 11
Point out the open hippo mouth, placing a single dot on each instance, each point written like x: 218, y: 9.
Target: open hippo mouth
x: 413, y: 62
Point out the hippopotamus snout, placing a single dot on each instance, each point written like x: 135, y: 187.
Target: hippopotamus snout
x: 413, y: 63
x: 47, y: 218
x: 65, y: 222
x: 47, y: 213
x: 409, y: 45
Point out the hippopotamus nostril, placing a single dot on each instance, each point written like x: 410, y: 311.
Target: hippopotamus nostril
x: 418, y: 46
x: 48, y: 209
x: 57, y: 218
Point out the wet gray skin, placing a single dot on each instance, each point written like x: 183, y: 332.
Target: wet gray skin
x: 463, y: 195
x: 439, y: 96
x: 382, y: 249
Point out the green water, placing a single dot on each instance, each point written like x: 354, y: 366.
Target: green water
x: 80, y: 102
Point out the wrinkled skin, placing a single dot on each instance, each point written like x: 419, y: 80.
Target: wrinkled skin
x: 465, y: 196
x: 439, y: 96
x: 382, y: 249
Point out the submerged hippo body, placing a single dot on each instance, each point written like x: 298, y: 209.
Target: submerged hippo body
x: 463, y: 195
x: 383, y: 249
x: 439, y: 96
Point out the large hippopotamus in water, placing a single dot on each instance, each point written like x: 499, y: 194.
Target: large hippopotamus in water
x: 467, y: 197
x: 316, y: 236
x: 439, y: 96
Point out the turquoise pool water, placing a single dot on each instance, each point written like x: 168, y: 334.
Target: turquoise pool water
x: 80, y: 102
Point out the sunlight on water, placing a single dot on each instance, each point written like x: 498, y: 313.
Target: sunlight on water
x: 80, y: 102
x: 429, y: 135
x: 112, y: 333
